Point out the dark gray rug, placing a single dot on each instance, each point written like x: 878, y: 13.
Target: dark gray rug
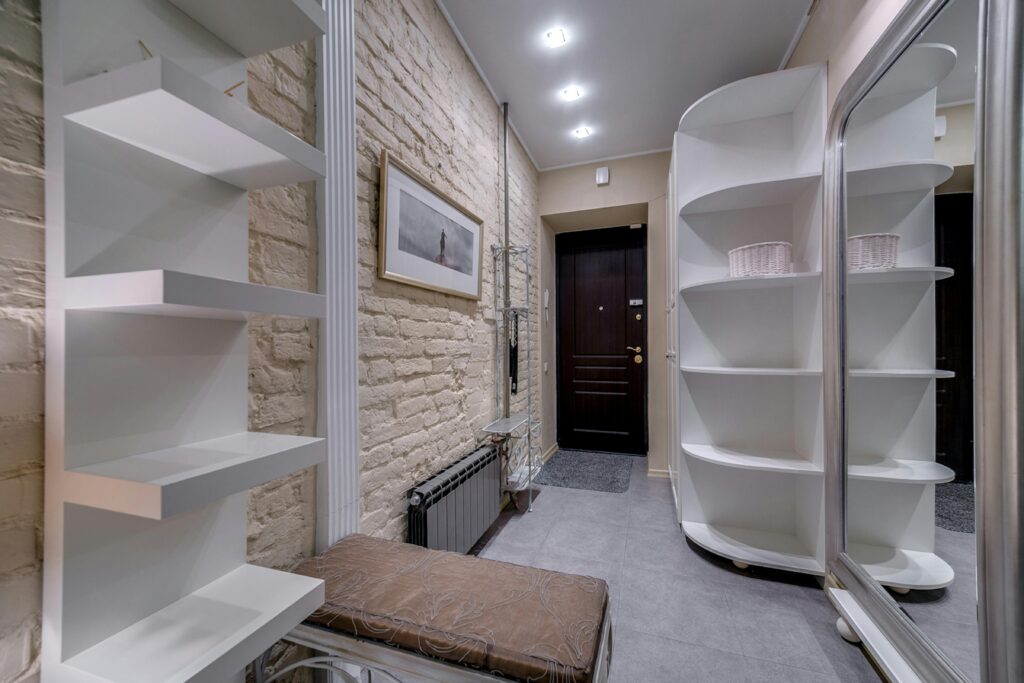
x: 588, y: 470
x: 954, y: 506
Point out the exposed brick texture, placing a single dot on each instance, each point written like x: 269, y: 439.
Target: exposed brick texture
x: 21, y: 339
x: 427, y: 366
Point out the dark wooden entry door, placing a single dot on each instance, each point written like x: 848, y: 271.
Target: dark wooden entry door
x: 602, y: 340
x: 954, y: 336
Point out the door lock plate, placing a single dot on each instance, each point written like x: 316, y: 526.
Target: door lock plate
x: 638, y: 358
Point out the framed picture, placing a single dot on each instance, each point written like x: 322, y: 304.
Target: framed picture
x: 426, y: 238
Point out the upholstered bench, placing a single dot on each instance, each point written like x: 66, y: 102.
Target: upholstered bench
x: 439, y: 616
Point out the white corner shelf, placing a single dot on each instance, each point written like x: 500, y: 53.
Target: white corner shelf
x: 900, y: 470
x: 253, y: 27
x: 157, y: 106
x: 902, y: 176
x: 756, y: 97
x: 737, y: 284
x: 787, y: 463
x: 208, y: 635
x: 922, y: 67
x: 753, y: 372
x: 893, y: 275
x: 163, y: 483
x: 748, y: 195
x: 754, y: 546
x: 902, y: 373
x: 902, y: 568
x: 170, y: 293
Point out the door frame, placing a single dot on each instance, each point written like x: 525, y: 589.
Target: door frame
x: 559, y: 415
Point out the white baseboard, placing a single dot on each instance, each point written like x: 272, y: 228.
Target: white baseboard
x: 657, y: 474
x: 547, y: 454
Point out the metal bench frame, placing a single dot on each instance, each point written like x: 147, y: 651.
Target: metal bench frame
x: 394, y: 664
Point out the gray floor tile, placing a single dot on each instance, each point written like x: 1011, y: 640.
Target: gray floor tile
x: 561, y: 562
x: 782, y: 636
x: 586, y: 539
x: 652, y: 511
x: 606, y: 508
x: 957, y: 641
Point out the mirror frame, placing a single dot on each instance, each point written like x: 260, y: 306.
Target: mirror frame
x: 999, y: 315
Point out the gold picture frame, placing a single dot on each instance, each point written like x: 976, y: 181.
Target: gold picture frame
x: 413, y: 213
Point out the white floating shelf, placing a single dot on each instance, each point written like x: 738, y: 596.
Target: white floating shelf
x: 903, y: 176
x: 754, y: 546
x: 904, y: 373
x: 922, y: 67
x: 890, y: 275
x: 723, y: 370
x: 756, y: 97
x: 253, y: 27
x: 168, y: 292
x: 906, y: 471
x: 767, y: 192
x: 160, y: 107
x: 208, y: 635
x: 788, y: 463
x: 902, y: 568
x: 163, y: 483
x: 735, y: 284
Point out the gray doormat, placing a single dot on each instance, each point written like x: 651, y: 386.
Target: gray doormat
x: 954, y: 506
x: 587, y: 470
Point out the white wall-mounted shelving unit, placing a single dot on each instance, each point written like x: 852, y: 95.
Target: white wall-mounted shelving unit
x: 748, y: 475
x: 148, y: 450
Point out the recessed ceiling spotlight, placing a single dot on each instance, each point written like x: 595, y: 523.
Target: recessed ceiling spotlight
x: 555, y: 37
x: 571, y: 93
x: 582, y: 132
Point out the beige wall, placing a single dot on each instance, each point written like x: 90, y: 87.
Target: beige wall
x: 282, y: 385
x: 841, y: 32
x: 548, y: 350
x: 426, y: 359
x: 957, y: 145
x: 571, y: 200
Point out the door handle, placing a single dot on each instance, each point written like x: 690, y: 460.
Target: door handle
x: 634, y: 350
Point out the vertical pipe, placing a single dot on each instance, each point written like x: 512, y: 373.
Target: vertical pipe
x: 506, y: 378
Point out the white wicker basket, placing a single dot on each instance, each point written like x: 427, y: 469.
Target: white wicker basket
x: 763, y: 258
x: 878, y: 250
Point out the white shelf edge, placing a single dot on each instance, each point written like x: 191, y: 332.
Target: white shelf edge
x: 210, y: 634
x: 772, y: 549
x: 900, y: 176
x: 902, y: 373
x: 737, y: 284
x: 172, y: 293
x: 899, y: 274
x: 786, y: 464
x: 750, y: 194
x: 919, y: 69
x: 506, y: 425
x: 901, y: 568
x: 902, y: 471
x: 163, y: 483
x: 268, y: 25
x: 725, y: 370
x: 160, y: 107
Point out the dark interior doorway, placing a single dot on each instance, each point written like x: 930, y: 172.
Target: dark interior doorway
x: 954, y: 334
x: 602, y: 339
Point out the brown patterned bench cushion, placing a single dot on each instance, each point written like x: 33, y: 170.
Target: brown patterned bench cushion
x: 522, y: 623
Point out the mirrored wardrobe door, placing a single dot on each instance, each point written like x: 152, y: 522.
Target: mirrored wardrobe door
x: 906, y: 245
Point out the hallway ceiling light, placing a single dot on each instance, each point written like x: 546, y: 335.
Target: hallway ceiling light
x: 571, y: 93
x: 582, y: 132
x: 555, y: 37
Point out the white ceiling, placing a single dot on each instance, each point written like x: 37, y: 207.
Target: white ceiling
x: 641, y: 63
x: 957, y: 26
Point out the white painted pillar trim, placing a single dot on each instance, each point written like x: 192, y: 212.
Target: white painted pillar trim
x: 338, y: 508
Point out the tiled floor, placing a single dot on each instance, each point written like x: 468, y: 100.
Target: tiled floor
x: 679, y: 613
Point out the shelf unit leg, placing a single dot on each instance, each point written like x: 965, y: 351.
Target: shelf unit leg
x: 847, y: 633
x: 740, y: 565
x: 899, y: 590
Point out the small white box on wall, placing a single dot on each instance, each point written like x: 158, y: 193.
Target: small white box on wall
x: 602, y: 176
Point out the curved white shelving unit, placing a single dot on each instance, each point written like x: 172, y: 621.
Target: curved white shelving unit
x: 754, y: 372
x: 901, y: 176
x: 736, y: 284
x: 901, y: 568
x: 160, y: 107
x: 751, y: 98
x: 754, y: 546
x: 167, y: 482
x: 897, y: 470
x: 166, y: 292
x: 922, y: 67
x: 789, y: 463
x: 891, y: 275
x: 902, y: 373
x: 209, y: 634
x: 747, y: 195
x: 267, y: 24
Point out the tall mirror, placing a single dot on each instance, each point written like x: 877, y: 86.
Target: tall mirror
x: 908, y: 160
